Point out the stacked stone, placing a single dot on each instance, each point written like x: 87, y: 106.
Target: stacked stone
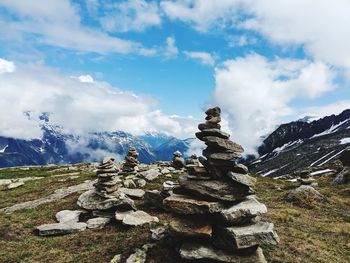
x: 130, y: 162
x: 107, y: 177
x: 216, y: 216
x: 193, y: 160
x: 178, y: 162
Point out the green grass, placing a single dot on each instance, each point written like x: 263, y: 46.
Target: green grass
x: 317, y: 235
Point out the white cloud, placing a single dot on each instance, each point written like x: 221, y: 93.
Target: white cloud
x: 255, y: 93
x: 325, y: 110
x: 92, y: 6
x: 79, y: 107
x: 132, y: 15
x: 171, y: 49
x: 201, y: 13
x: 6, y: 66
x: 59, y: 24
x: 86, y: 78
x: 203, y: 57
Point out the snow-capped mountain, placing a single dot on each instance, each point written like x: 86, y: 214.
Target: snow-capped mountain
x: 58, y: 147
x: 301, y: 144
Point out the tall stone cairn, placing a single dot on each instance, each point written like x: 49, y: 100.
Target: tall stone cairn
x: 107, y: 177
x: 216, y: 216
x: 130, y: 161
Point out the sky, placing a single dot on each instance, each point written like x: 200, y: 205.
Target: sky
x: 141, y: 66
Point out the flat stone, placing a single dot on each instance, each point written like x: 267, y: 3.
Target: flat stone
x: 190, y: 227
x: 225, y: 156
x: 120, y: 215
x: 14, y: 185
x: 151, y: 174
x: 59, y: 229
x: 139, y: 218
x: 169, y: 185
x: 243, y: 179
x: 241, y: 237
x: 242, y: 212
x: 181, y: 204
x: 133, y: 193
x: 165, y: 171
x: 90, y: 200
x: 195, y: 251
x: 104, y: 214
x: 223, y: 144
x: 240, y: 168
x: 197, y: 171
x: 65, y: 216
x: 97, y: 223
x: 212, y: 132
x: 217, y: 189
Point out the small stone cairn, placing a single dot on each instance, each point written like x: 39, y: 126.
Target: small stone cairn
x: 131, y: 163
x: 178, y: 161
x: 193, y: 160
x: 107, y: 174
x: 216, y: 216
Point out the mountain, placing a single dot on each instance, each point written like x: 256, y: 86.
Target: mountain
x: 58, y: 147
x: 300, y: 144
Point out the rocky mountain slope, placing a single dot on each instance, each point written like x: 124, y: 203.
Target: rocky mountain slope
x: 297, y: 145
x: 58, y: 147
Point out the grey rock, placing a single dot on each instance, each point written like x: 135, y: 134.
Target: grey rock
x: 153, y: 198
x: 223, y: 144
x: 129, y: 183
x: 241, y: 237
x: 181, y: 204
x: 132, y: 193
x: 195, y: 251
x: 59, y: 229
x: 139, y: 218
x: 342, y: 178
x: 65, y: 216
x: 97, y: 223
x: 120, y: 215
x: 212, y: 132
x: 217, y: 189
x: 141, y: 182
x: 158, y: 234
x: 140, y: 255
x: 90, y: 200
x: 243, y: 211
x: 116, y: 259
x: 243, y: 179
x: 304, y: 195
x: 151, y: 174
x: 14, y: 185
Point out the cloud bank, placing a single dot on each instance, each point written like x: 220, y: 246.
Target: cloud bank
x: 79, y: 104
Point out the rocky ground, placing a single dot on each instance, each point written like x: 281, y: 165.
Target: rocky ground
x: 312, y: 227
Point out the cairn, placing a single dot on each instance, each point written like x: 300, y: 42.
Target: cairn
x: 178, y: 162
x: 193, y: 160
x: 107, y: 177
x: 130, y: 161
x: 215, y: 214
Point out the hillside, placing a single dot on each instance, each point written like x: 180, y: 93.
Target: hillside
x: 318, y: 234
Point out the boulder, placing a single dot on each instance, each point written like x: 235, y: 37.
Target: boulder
x: 59, y: 229
x: 139, y: 218
x: 153, y: 198
x: 242, y: 237
x: 90, y: 200
x: 97, y: 223
x: 190, y: 227
x: 305, y: 196
x: 218, y: 189
x: 195, y: 251
x: 181, y: 204
x: 242, y: 212
x: 342, y: 178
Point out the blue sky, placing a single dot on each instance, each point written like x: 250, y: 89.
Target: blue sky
x: 263, y: 62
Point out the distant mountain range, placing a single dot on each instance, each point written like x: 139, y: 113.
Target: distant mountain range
x: 300, y: 144
x: 57, y: 147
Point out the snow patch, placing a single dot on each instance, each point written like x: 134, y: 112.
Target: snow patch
x: 322, y: 158
x: 287, y: 145
x: 332, y: 157
x: 345, y: 141
x: 321, y: 172
x: 269, y: 172
x: 3, y: 150
x: 332, y: 129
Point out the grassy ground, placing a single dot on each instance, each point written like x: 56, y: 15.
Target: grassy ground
x: 320, y: 234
